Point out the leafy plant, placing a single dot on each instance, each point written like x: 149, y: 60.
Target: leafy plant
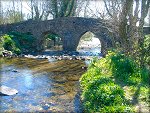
x: 8, y: 43
x: 24, y: 41
x: 147, y: 50
x: 18, y: 42
x: 102, y: 81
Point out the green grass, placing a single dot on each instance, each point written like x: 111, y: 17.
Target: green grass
x: 119, y: 77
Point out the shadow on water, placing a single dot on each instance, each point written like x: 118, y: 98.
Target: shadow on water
x: 42, y: 86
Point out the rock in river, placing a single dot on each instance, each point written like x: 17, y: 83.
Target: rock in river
x: 4, y: 90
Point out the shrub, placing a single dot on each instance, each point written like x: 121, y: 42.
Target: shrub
x: 17, y: 51
x: 100, y: 93
x: 18, y: 42
x: 146, y: 50
x: 24, y: 41
x: 145, y: 75
x: 1, y: 46
x: 122, y: 66
x: 103, y: 95
x: 8, y: 43
x: 125, y: 68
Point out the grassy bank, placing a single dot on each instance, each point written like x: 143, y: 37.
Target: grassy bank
x: 115, y: 84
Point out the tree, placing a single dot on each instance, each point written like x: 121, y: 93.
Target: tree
x: 1, y: 17
x: 62, y: 8
x: 38, y: 9
x: 12, y: 13
x: 125, y: 22
x: 12, y: 16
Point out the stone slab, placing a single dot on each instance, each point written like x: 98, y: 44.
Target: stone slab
x: 4, y: 90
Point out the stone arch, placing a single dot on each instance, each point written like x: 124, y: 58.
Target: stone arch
x: 102, y: 38
x: 42, y: 38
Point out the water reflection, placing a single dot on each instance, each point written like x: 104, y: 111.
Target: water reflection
x: 28, y: 81
x: 42, y: 86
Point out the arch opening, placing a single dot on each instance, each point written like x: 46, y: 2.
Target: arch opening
x: 52, y: 42
x: 89, y: 44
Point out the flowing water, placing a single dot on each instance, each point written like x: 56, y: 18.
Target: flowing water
x: 43, y: 86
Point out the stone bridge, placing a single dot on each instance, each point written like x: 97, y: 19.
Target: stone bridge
x: 70, y: 29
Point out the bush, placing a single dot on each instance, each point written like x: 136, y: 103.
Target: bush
x: 145, y: 75
x: 99, y: 92
x: 125, y: 68
x: 18, y: 42
x: 1, y: 46
x: 24, y: 41
x: 122, y: 65
x: 116, y: 109
x: 103, y: 95
x: 146, y: 50
x: 8, y: 43
x: 17, y: 51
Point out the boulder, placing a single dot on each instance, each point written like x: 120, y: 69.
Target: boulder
x: 7, y: 53
x: 14, y: 70
x: 4, y: 90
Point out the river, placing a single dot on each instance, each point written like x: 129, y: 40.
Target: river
x: 43, y: 86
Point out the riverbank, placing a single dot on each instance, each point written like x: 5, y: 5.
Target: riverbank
x: 115, y: 83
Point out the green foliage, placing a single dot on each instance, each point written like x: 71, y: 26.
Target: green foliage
x: 18, y: 42
x: 99, y: 92
x: 122, y: 65
x: 52, y: 36
x: 102, y: 95
x: 24, y: 41
x: 145, y: 75
x: 10, y: 44
x: 102, y: 81
x: 17, y: 51
x: 147, y: 49
x: 126, y: 68
x: 1, y: 46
